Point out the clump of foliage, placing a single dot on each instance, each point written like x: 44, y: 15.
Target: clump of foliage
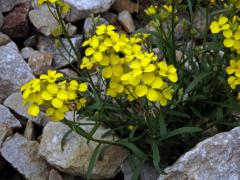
x: 157, y: 105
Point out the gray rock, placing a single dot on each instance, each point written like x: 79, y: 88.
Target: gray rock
x: 72, y: 30
x: 15, y: 102
x: 126, y: 20
x: 5, y: 132
x: 40, y: 62
x: 14, y: 70
x: 1, y: 20
x: 4, y: 39
x: 29, y: 131
x: 8, y: 119
x: 27, y: 52
x: 81, y: 9
x: 23, y: 156
x: 199, y: 22
x: 215, y: 158
x: 75, y: 157
x: 54, y: 175
x: 43, y: 20
x: 60, y: 55
x: 8, y: 5
x: 148, y: 172
x: 68, y: 72
x: 89, y: 25
x: 31, y: 41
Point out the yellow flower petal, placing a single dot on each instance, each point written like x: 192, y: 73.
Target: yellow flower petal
x: 57, y: 103
x: 33, y: 110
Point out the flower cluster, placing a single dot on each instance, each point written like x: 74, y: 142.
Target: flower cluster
x: 53, y: 95
x: 234, y: 71
x: 60, y: 3
x: 127, y: 68
x: 230, y: 31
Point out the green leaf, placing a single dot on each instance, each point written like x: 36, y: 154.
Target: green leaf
x: 93, y: 160
x: 182, y: 130
x: 137, y: 169
x: 156, y: 155
x: 92, y: 132
x: 190, y: 8
x: 162, y: 124
x: 132, y: 147
x: 64, y: 138
x: 178, y: 114
x: 197, y: 80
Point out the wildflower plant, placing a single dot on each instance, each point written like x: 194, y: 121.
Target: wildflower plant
x: 153, y: 103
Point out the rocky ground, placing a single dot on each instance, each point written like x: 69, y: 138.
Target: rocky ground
x: 31, y: 147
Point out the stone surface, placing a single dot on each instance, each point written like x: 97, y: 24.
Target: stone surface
x: 89, y: 25
x: 215, y: 158
x: 27, y: 52
x: 16, y: 23
x: 23, y: 156
x: 31, y: 41
x: 199, y: 22
x: 121, y: 5
x: 1, y: 20
x: 126, y: 20
x: 5, y: 132
x: 54, y: 175
x: 7, y: 5
x: 4, y: 39
x: 74, y: 158
x: 60, y: 55
x: 68, y: 72
x: 148, y: 172
x: 15, y: 102
x: 29, y: 131
x: 43, y: 20
x: 7, y: 118
x: 40, y: 62
x: 81, y: 9
x: 14, y: 70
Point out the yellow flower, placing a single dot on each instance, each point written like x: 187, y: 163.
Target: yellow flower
x: 102, y: 29
x: 221, y: 24
x: 51, y: 77
x: 33, y: 110
x: 168, y: 71
x: 151, y: 10
x: 168, y: 8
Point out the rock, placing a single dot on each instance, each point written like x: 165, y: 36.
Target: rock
x: 69, y: 73
x: 31, y: 41
x: 199, y: 22
x: 217, y: 158
x: 111, y: 18
x: 47, y: 45
x: 15, y: 102
x: 8, y: 119
x: 16, y: 23
x: 5, y: 132
x: 40, y: 62
x: 121, y: 5
x: 89, y: 25
x: 1, y: 20
x: 148, y: 172
x: 81, y: 9
x: 4, y: 39
x: 72, y: 30
x: 29, y: 131
x: 54, y: 175
x: 8, y: 5
x: 23, y: 156
x: 43, y: 20
x: 14, y: 70
x: 126, y: 20
x: 74, y: 158
x: 27, y: 52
